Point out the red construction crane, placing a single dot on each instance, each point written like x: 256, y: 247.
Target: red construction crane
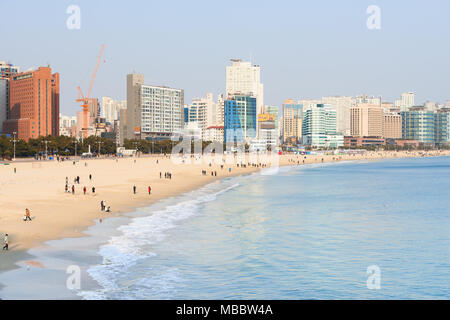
x: 85, y: 99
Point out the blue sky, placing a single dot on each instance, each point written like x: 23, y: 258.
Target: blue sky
x: 307, y: 49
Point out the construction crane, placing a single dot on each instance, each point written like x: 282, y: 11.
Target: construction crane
x: 85, y: 99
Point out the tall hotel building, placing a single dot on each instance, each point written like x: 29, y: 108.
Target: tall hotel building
x: 33, y: 104
x: 392, y: 126
x: 153, y: 112
x: 240, y: 119
x: 292, y: 121
x: 342, y: 106
x: 244, y: 79
x: 366, y: 120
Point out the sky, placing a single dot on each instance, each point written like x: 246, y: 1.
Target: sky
x: 306, y: 49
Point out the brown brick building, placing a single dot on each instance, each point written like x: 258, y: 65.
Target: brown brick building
x: 34, y: 104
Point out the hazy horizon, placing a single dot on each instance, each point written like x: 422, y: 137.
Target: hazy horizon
x: 305, y: 50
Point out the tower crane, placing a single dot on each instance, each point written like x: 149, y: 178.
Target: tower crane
x: 85, y: 99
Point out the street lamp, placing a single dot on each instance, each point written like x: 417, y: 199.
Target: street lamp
x: 14, y: 141
x: 99, y: 143
x: 46, y: 153
x: 76, y: 146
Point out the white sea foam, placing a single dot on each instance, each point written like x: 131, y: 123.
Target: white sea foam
x: 134, y: 243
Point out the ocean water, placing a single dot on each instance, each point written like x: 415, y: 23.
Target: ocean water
x: 307, y: 232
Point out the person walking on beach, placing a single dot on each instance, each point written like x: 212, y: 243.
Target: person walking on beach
x: 149, y: 190
x: 73, y: 189
x: 84, y: 190
x: 134, y: 189
x: 27, y: 214
x: 160, y: 174
x: 90, y: 177
x: 93, y: 190
x: 66, y: 188
x: 102, y: 206
x: 5, y: 247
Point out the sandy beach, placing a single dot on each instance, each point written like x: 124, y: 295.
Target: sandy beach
x: 56, y: 214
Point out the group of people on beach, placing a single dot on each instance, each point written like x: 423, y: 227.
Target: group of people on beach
x: 149, y: 188
x: 5, y: 242
x: 167, y: 175
x: 76, y: 180
x: 103, y: 206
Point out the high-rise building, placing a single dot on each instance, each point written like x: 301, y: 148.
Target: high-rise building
x: 275, y: 111
x: 134, y: 105
x: 186, y: 115
x: 153, y: 111
x: 122, y: 127
x: 430, y: 106
x: 367, y: 99
x: 308, y: 103
x: 292, y: 121
x: 220, y: 110
x: 7, y: 70
x: 244, y: 79
x: 342, y: 106
x: 392, y: 126
x: 34, y: 104
x: 319, y: 128
x: 67, y: 126
x: 205, y: 112
x: 214, y: 133
x: 418, y: 124
x: 240, y: 119
x: 366, y: 120
x: 4, y: 101
x: 268, y: 137
x: 111, y: 109
x: 407, y: 101
x: 442, y: 126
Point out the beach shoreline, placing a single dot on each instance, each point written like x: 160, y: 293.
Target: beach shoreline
x: 117, y: 192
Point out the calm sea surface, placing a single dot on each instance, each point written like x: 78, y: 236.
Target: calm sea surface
x: 307, y: 232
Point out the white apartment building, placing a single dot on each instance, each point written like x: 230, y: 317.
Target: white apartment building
x: 407, y: 101
x: 153, y: 111
x: 342, y: 106
x: 214, y: 133
x: 368, y: 100
x: 207, y: 113
x: 243, y: 78
x: 162, y: 110
x: 309, y: 103
x: 111, y: 109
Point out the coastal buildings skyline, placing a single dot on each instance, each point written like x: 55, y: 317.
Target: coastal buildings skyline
x: 157, y: 112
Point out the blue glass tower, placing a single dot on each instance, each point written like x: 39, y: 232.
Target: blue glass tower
x: 240, y: 119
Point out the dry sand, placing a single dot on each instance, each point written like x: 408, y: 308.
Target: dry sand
x: 55, y: 214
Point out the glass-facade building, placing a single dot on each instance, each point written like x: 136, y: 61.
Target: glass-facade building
x: 418, y: 124
x: 240, y: 119
x: 442, y: 126
x: 186, y: 115
x: 319, y: 128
